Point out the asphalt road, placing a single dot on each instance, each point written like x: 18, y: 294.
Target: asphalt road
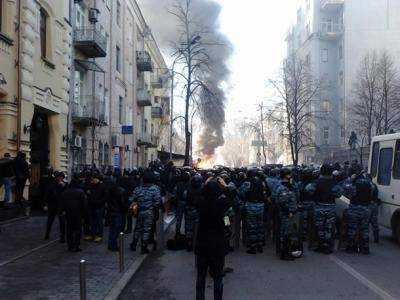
x: 171, y: 275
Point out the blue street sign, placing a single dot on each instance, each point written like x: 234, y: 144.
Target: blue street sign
x: 127, y: 129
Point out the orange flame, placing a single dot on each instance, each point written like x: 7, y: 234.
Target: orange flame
x: 206, y: 162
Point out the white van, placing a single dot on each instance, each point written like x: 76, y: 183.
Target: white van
x: 384, y: 167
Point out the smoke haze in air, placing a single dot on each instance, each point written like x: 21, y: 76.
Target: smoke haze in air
x: 211, y: 102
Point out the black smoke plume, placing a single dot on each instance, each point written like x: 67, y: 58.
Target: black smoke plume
x: 211, y: 100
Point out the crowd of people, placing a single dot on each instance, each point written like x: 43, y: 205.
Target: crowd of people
x: 14, y: 173
x: 218, y: 208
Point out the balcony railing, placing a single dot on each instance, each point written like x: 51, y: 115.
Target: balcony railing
x: 157, y: 83
x: 143, y: 97
x: 331, y: 29
x: 91, y: 42
x: 156, y: 112
x: 331, y: 4
x: 89, y: 111
x: 144, y: 61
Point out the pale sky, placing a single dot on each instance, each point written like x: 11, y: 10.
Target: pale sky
x: 257, y: 29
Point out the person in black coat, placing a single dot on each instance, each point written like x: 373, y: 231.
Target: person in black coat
x: 210, y: 248
x: 52, y: 198
x: 21, y: 169
x: 98, y: 194
x: 73, y: 203
x: 117, y: 207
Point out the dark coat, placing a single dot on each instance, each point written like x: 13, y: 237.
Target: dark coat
x: 117, y: 202
x: 211, y: 208
x: 98, y: 195
x: 53, y: 193
x: 73, y: 202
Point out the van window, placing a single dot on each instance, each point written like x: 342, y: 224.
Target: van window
x: 385, y: 166
x: 374, y: 159
x: 396, y: 166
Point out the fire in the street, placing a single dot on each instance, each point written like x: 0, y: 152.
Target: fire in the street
x: 206, y: 162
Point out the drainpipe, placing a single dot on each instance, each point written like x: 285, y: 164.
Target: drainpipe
x: 19, y: 88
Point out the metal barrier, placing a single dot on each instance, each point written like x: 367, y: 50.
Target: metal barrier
x: 121, y: 252
x: 82, y: 279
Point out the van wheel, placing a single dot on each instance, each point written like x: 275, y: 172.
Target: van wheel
x: 396, y: 232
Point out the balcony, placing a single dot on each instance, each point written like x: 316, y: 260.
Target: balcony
x: 156, y: 112
x: 91, y: 42
x: 147, y: 140
x: 331, y: 30
x: 144, y: 62
x: 157, y: 83
x: 331, y: 4
x: 143, y: 97
x: 89, y: 111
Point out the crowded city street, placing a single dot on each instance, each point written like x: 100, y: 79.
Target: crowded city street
x: 199, y: 149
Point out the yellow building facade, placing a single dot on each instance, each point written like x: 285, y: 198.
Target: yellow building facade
x: 34, y: 67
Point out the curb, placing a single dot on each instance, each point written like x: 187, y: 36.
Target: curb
x: 117, y: 289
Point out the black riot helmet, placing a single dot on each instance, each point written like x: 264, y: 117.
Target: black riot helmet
x: 196, y: 181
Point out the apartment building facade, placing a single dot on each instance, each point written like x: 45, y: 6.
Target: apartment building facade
x: 118, y: 103
x: 34, y: 61
x: 332, y: 36
x: 79, y: 80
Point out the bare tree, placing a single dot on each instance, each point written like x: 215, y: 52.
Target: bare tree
x: 366, y: 95
x: 192, y: 55
x: 387, y: 112
x: 297, y: 89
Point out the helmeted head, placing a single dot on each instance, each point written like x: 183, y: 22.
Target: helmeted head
x: 326, y: 170
x: 286, y: 174
x: 148, y: 177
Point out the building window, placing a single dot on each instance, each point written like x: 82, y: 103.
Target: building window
x: 120, y: 109
x: 375, y: 159
x: 308, y: 59
x: 119, y: 13
x: 118, y: 58
x: 326, y: 106
x: 324, y: 55
x: 101, y: 153
x: 106, y: 154
x: 396, y: 166
x: 326, y: 133
x: 145, y: 125
x: 385, y: 166
x: 341, y: 52
x: 43, y: 32
x: 342, y: 131
x: 341, y: 79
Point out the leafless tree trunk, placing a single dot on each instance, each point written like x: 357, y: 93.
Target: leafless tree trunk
x: 388, y: 107
x: 192, y: 56
x: 366, y: 95
x: 297, y: 89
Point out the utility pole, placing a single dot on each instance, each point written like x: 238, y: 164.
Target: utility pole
x: 171, y: 115
x: 262, y: 133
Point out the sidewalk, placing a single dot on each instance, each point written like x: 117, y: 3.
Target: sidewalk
x: 52, y: 272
